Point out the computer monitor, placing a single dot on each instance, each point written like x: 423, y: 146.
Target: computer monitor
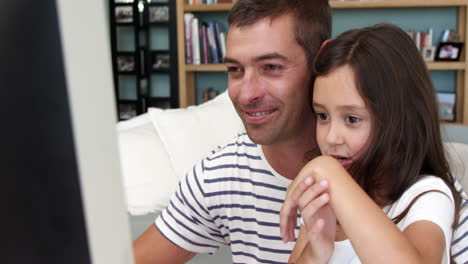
x: 61, y: 180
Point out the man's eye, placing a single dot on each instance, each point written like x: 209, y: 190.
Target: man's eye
x: 352, y: 119
x: 273, y: 67
x: 322, y: 116
x: 233, y: 69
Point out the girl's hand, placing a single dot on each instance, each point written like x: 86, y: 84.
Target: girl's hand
x: 309, y: 192
x: 321, y: 231
x: 319, y: 227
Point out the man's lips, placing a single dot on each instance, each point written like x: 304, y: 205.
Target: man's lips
x: 258, y: 115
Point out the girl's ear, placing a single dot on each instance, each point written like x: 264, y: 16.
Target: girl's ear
x: 323, y: 45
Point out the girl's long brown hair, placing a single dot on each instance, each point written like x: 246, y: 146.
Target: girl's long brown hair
x: 394, y: 82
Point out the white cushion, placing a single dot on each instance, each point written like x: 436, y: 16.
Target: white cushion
x: 190, y: 134
x: 158, y: 148
x: 148, y: 177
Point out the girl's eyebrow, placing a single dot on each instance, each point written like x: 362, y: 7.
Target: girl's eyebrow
x: 349, y: 107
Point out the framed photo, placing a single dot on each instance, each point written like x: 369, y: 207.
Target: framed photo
x: 449, y: 51
x: 428, y: 53
x: 124, y: 14
x: 446, y: 106
x: 209, y: 94
x: 126, y: 63
x: 162, y: 103
x: 127, y: 110
x: 158, y: 13
x: 160, y: 61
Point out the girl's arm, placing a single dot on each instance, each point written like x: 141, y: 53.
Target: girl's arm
x: 374, y: 237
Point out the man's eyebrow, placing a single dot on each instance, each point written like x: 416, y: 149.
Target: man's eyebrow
x: 267, y: 56
x: 230, y: 60
x: 270, y: 56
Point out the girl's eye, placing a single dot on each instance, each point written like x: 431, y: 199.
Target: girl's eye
x: 322, y: 116
x: 352, y: 119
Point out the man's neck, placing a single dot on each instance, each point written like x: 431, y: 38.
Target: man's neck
x: 289, y: 158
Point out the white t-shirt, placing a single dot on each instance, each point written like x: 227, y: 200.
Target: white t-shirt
x: 433, y: 206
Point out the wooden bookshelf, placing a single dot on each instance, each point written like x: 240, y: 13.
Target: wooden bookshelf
x: 187, y: 72
x: 346, y: 5
x: 395, y: 3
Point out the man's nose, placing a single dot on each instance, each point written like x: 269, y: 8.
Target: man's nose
x: 251, y: 88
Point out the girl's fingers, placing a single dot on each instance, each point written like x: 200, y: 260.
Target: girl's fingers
x: 301, y: 196
x: 310, y: 194
x: 317, y: 227
x: 309, y: 212
x: 288, y: 213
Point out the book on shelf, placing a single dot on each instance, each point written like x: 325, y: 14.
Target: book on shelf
x: 195, y: 42
x: 188, y: 17
x: 212, y: 42
x: 205, y: 41
x: 423, y: 42
x: 204, y: 44
x: 208, y: 2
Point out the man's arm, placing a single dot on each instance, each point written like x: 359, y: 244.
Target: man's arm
x: 152, y: 247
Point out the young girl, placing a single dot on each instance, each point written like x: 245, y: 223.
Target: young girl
x: 382, y: 192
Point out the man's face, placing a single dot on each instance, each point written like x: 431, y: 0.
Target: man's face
x: 269, y: 80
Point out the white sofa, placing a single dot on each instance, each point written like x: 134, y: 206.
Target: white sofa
x: 157, y: 148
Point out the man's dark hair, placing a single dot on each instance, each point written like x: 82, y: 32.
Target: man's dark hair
x: 312, y: 19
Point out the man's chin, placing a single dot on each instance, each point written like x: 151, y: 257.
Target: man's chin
x: 260, y: 137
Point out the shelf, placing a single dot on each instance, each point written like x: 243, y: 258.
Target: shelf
x: 438, y: 65
x: 443, y: 65
x: 205, y: 68
x: 396, y: 3
x: 347, y: 4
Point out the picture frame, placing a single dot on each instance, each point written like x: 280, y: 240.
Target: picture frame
x: 126, y: 63
x: 160, y: 61
x: 209, y: 94
x: 158, y: 13
x: 161, y: 103
x: 127, y: 110
x: 124, y: 14
x: 447, y: 103
x: 449, y: 51
x: 428, y: 53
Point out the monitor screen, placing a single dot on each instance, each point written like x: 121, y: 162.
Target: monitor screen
x: 62, y: 184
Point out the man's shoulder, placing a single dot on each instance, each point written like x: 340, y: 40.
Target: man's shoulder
x: 239, y: 144
x: 239, y: 154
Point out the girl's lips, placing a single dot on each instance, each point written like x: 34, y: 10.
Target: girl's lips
x: 344, y: 161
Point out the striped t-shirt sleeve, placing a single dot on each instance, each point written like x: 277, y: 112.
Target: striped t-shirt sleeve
x: 459, y: 248
x: 186, y: 222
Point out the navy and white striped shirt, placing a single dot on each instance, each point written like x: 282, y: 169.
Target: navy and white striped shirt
x: 233, y: 197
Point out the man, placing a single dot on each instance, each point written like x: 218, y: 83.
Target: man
x: 233, y: 197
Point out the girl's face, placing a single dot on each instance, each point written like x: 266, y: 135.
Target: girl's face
x: 343, y: 120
